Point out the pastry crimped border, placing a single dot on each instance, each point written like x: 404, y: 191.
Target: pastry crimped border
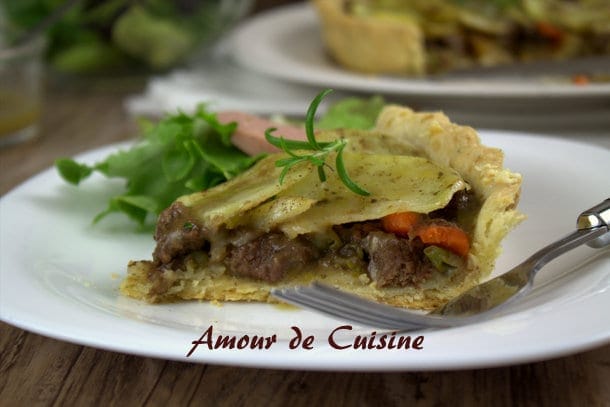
x: 460, y: 148
x: 371, y: 45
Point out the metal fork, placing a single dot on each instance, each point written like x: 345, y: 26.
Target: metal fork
x: 477, y: 304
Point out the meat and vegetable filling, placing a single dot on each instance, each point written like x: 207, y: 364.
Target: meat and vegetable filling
x: 398, y: 250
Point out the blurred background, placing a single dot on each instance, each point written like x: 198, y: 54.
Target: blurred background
x: 88, y: 45
x: 167, y: 55
x: 115, y: 36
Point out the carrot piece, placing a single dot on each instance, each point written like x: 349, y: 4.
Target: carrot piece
x: 580, y: 79
x: 549, y: 31
x: 400, y: 223
x: 448, y: 237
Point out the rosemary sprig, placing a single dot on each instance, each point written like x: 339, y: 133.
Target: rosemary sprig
x: 320, y: 150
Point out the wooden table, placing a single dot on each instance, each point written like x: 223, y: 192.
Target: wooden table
x: 36, y: 369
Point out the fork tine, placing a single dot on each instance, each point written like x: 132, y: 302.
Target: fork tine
x: 385, y: 311
x: 342, y: 305
x: 298, y: 297
x: 345, y: 310
x: 353, y: 304
x: 320, y: 308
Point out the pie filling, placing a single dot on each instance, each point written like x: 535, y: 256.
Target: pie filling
x: 387, y: 258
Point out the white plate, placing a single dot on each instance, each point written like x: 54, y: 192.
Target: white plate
x: 285, y: 43
x: 59, y: 277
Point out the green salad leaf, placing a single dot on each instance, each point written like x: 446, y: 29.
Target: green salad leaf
x: 181, y: 154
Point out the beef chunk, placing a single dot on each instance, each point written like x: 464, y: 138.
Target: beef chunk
x: 269, y: 257
x: 461, y: 201
x: 176, y: 234
x: 394, y: 261
x: 355, y: 232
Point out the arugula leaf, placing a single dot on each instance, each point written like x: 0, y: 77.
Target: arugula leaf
x: 180, y: 155
x: 72, y: 171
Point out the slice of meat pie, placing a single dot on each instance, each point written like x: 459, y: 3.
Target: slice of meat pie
x: 439, y: 204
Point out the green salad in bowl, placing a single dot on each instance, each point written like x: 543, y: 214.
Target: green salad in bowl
x: 100, y: 36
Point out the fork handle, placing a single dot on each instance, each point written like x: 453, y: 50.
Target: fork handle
x: 593, y: 229
x: 597, y: 216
